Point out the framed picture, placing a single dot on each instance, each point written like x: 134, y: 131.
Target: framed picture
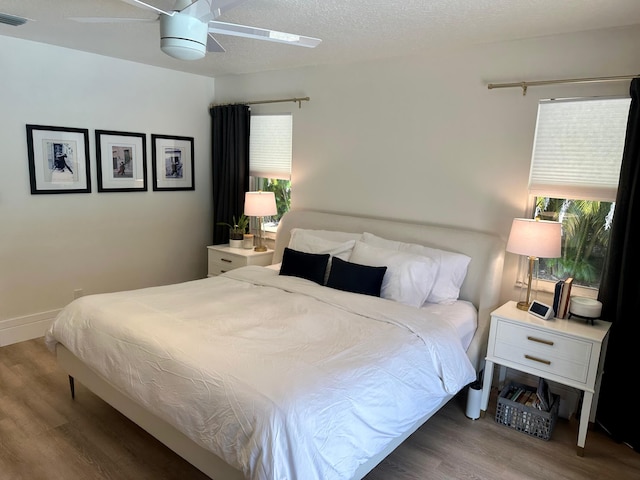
x: 58, y: 159
x: 172, y: 162
x: 122, y: 161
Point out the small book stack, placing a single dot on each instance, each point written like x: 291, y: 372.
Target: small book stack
x: 526, y: 397
x: 539, y: 398
x: 561, y: 297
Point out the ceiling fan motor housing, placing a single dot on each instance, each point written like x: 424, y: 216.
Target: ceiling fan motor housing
x: 183, y: 36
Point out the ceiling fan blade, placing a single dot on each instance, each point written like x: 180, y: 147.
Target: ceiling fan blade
x: 110, y: 20
x: 13, y: 20
x: 207, y: 10
x: 200, y: 9
x: 262, y: 34
x: 213, y: 45
x: 141, y: 4
x: 218, y: 7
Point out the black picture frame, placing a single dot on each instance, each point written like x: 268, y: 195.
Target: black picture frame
x: 121, y: 161
x: 58, y: 159
x: 173, y: 162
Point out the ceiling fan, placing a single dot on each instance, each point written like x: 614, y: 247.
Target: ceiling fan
x: 186, y: 31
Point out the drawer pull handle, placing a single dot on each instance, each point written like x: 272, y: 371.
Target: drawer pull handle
x: 226, y: 260
x: 223, y: 271
x: 539, y: 340
x: 535, y: 359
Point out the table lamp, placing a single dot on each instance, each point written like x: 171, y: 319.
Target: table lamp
x: 535, y: 239
x: 260, y: 204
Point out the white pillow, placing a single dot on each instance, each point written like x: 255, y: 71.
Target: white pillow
x: 452, y: 267
x: 408, y: 279
x: 303, y: 241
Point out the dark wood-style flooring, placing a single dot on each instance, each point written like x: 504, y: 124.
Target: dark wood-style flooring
x: 45, y: 435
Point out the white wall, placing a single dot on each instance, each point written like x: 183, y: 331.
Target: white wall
x: 419, y: 138
x: 423, y: 138
x: 51, y: 245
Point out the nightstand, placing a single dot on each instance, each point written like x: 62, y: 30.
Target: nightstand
x: 222, y: 258
x: 569, y: 352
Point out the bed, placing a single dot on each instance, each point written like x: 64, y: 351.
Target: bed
x: 265, y: 373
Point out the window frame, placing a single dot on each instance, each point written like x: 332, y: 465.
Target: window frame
x: 568, y: 191
x: 277, y: 169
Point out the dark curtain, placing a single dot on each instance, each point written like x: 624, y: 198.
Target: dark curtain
x: 620, y: 295
x: 230, y: 156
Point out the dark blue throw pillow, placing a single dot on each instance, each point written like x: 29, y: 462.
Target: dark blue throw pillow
x: 311, y: 266
x: 356, y: 278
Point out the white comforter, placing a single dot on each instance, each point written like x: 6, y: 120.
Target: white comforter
x: 280, y: 377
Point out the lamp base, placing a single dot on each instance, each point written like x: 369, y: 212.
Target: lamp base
x: 523, y: 305
x: 260, y: 248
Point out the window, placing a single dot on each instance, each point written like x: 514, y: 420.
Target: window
x: 574, y: 175
x: 270, y: 146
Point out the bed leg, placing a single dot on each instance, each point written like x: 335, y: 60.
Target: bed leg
x: 72, y: 386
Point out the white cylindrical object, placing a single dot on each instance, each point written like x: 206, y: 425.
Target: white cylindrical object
x: 585, y: 307
x: 183, y: 37
x: 474, y: 397
x: 247, y: 241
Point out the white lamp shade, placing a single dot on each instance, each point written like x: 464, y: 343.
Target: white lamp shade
x: 535, y: 238
x: 260, y: 204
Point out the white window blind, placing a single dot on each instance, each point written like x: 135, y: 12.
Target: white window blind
x: 578, y: 148
x: 270, y: 146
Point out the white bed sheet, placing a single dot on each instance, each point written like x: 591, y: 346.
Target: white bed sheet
x: 278, y: 376
x: 461, y: 314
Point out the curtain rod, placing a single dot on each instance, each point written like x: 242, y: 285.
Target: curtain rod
x: 298, y: 100
x: 536, y: 83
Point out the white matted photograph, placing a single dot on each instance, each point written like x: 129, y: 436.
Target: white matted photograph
x: 122, y: 161
x: 172, y: 162
x: 58, y: 159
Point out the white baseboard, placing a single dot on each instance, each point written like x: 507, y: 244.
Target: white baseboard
x: 19, y: 329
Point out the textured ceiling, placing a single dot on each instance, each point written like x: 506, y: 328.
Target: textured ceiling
x: 351, y: 30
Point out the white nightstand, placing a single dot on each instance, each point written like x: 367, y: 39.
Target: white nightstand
x: 222, y: 258
x: 569, y: 352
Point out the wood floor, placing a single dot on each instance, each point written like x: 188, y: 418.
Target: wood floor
x: 44, y: 435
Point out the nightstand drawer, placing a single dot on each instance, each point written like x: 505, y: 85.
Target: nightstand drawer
x: 221, y: 258
x: 543, y: 350
x: 225, y: 260
x: 216, y: 268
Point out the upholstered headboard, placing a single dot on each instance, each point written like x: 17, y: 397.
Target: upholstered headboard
x: 481, y: 285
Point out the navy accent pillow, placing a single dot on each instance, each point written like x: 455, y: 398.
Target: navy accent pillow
x: 311, y: 266
x: 356, y: 278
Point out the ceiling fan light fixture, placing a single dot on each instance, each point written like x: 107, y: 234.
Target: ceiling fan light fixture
x: 183, y: 37
x: 183, y: 49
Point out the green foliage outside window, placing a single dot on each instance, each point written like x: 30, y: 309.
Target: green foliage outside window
x: 586, y: 227
x: 282, y: 191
